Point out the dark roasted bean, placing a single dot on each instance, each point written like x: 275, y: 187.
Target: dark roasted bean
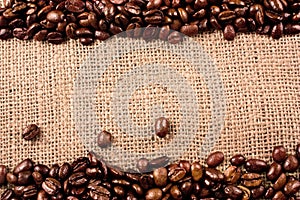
x: 233, y: 192
x: 78, y: 179
x: 7, y: 194
x: 229, y: 32
x: 251, y: 180
x: 160, y: 176
x: 11, y: 178
x: 269, y: 193
x: 51, y: 186
x: 3, y: 173
x: 258, y: 192
x: 99, y: 192
x: 41, y: 35
x: 30, y: 192
x: 55, y: 38
x: 256, y: 165
x: 189, y: 30
x: 274, y: 171
x: 280, y: 182
x: 232, y: 174
x: 215, y: 159
x: 292, y: 187
x: 38, y: 178
x: 153, y: 194
x: 279, y: 196
x: 279, y: 154
x: 146, y: 181
x: 25, y: 165
x: 76, y: 6
x: 291, y: 164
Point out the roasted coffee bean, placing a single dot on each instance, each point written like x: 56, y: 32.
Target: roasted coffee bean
x: 233, y: 192
x: 25, y: 165
x: 30, y: 192
x: 30, y: 132
x: 292, y: 187
x: 20, y: 33
x: 137, y: 189
x: 164, y: 33
x: 53, y: 172
x: 71, y: 30
x: 55, y: 16
x: 189, y: 30
x: 214, y: 174
x: 146, y: 181
x: 55, y: 38
x: 226, y: 15
x: 150, y: 33
x: 175, y: 192
x: 160, y: 176
x: 186, y: 188
x: 184, y: 16
x: 215, y: 159
x: 176, y: 173
x: 291, y: 164
x: 279, y: 154
x: 280, y: 182
x: 196, y: 171
x: 7, y: 194
x: 51, y: 186
x: 24, y: 177
x: 41, y: 35
x: 232, y: 174
x: 229, y: 32
x: 3, y: 173
x: 274, y: 171
x: 258, y: 192
x: 279, y: 196
x: 42, y: 195
x: 78, y: 179
x: 42, y: 169
x: 99, y: 192
x: 19, y: 190
x: 16, y: 23
x: 76, y: 6
x: 104, y: 138
x: 251, y: 180
x: 154, y: 194
x: 80, y: 164
x: 11, y: 178
x: 38, y: 178
x: 269, y: 193
x: 256, y: 165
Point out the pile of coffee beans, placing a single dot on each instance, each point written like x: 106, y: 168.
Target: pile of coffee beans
x: 88, y: 20
x: 90, y: 178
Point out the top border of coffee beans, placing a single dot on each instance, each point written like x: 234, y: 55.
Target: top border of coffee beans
x: 58, y: 20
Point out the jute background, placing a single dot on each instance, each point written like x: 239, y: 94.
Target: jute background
x: 261, y: 78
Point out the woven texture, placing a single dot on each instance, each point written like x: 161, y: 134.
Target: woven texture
x: 261, y: 80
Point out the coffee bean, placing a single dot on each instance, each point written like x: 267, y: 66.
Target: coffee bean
x: 11, y: 178
x: 100, y: 192
x: 160, y: 176
x: 229, y: 32
x: 189, y: 30
x: 279, y: 196
x: 277, y: 31
x: 251, y: 180
x: 25, y: 165
x: 24, y: 177
x: 279, y: 154
x: 176, y: 173
x: 256, y: 165
x: 154, y: 194
x: 214, y: 23
x: 291, y: 164
x: 226, y: 15
x: 55, y: 16
x: 214, y: 174
x: 184, y: 16
x: 233, y: 192
x: 269, y: 193
x: 175, y: 192
x: 78, y: 179
x: 86, y: 40
x: 42, y: 195
x: 215, y: 159
x: 138, y: 189
x: 55, y: 38
x: 30, y: 132
x: 38, y: 178
x: 292, y: 187
x: 274, y: 171
x: 151, y: 33
x: 3, y: 173
x: 246, y: 192
x: 7, y: 194
x: 76, y: 6
x: 196, y: 171
x: 104, y: 138
x: 5, y: 34
x: 51, y: 186
x: 258, y: 192
x: 232, y: 174
x: 30, y: 192
x: 164, y: 33
x: 146, y: 181
x: 280, y: 182
x: 41, y: 35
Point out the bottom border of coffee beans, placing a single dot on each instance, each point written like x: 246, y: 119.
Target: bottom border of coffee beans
x: 90, y: 178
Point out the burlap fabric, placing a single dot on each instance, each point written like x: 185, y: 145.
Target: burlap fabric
x: 261, y: 80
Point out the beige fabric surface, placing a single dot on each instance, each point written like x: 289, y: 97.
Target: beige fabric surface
x: 261, y: 79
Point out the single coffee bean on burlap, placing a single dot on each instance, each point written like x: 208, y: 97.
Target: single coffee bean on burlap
x: 162, y: 127
x: 229, y: 32
x: 104, y: 139
x: 30, y: 132
x: 215, y: 159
